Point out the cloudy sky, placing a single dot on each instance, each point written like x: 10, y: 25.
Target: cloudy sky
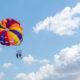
x: 51, y: 42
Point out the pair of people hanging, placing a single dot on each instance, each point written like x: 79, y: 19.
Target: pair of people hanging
x: 18, y: 54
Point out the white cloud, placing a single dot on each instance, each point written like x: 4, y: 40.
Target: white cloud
x: 1, y: 75
x: 37, y: 75
x: 78, y: 78
x: 44, y: 61
x: 7, y: 65
x: 0, y: 49
x: 65, y: 22
x: 66, y: 67
x: 21, y: 76
x: 30, y: 59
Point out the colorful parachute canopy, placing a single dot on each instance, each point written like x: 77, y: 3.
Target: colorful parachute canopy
x: 10, y: 32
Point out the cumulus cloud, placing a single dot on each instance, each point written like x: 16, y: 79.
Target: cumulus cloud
x: 7, y: 65
x: 66, y: 67
x: 21, y: 76
x: 1, y: 75
x: 44, y: 61
x: 65, y: 22
x: 30, y: 59
x: 37, y: 75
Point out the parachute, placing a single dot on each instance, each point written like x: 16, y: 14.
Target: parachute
x: 11, y: 32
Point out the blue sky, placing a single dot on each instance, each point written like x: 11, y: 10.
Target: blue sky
x: 51, y: 40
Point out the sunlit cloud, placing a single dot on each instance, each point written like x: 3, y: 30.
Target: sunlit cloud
x: 65, y: 22
x: 65, y: 67
x: 7, y: 65
x: 1, y: 75
x: 44, y: 61
x: 30, y: 59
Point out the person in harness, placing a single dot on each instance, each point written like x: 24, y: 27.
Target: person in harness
x: 18, y: 54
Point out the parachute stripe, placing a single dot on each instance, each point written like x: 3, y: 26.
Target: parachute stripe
x: 2, y: 38
x: 8, y: 24
x: 9, y: 39
x: 17, y: 29
x: 15, y: 37
x: 18, y: 34
x: 1, y: 32
x: 2, y: 27
x: 1, y: 24
x: 15, y: 25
